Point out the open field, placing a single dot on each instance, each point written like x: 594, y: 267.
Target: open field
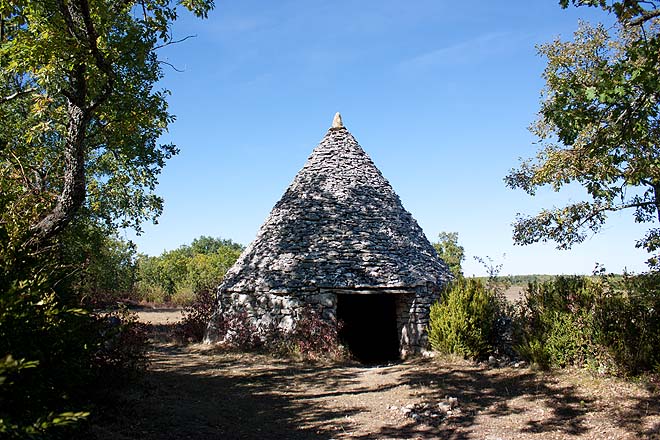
x: 197, y: 392
x: 159, y: 316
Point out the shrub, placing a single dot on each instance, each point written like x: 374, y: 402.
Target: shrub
x: 311, y: 337
x: 196, y: 317
x: 555, y: 321
x: 627, y: 322
x: 51, y: 355
x: 462, y: 322
x: 235, y: 330
x: 52, y: 349
x: 175, y: 276
x: 123, y: 347
x: 608, y: 322
x: 314, y: 337
x: 184, y: 296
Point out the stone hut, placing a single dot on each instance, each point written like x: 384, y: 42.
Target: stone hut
x: 339, y: 240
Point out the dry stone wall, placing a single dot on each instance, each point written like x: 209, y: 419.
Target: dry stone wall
x: 268, y: 311
x: 338, y: 227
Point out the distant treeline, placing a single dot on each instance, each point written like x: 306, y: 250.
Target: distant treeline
x: 524, y: 280
x: 177, y: 275
x: 520, y: 280
x: 114, y: 270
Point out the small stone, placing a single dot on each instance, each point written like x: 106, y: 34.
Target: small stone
x: 444, y: 406
x: 337, y: 122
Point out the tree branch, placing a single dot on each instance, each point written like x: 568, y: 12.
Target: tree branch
x: 17, y: 94
x: 160, y: 46
x: 100, y: 60
x: 76, y: 14
x: 171, y: 65
x: 644, y: 17
x: 81, y: 26
x: 26, y: 181
x: 601, y: 210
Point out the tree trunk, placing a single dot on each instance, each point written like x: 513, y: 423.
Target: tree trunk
x: 80, y: 107
x: 656, y: 196
x: 74, y: 188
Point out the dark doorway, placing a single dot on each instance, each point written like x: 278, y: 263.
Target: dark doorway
x: 369, y: 326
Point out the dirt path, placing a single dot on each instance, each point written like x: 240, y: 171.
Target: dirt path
x: 195, y: 393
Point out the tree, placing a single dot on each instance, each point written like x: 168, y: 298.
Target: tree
x: 598, y: 126
x: 80, y: 119
x: 210, y: 245
x: 181, y: 273
x: 79, y: 116
x: 450, y: 251
x: 103, y: 265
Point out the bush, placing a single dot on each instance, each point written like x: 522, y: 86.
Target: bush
x: 627, y: 323
x: 608, y: 322
x: 236, y: 330
x: 314, y: 337
x: 462, y: 322
x: 175, y: 276
x: 51, y: 355
x: 311, y: 337
x: 196, y: 317
x: 123, y: 347
x: 554, y: 323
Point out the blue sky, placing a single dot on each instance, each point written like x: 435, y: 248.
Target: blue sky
x: 439, y: 94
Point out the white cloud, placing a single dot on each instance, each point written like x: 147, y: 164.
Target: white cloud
x: 469, y: 51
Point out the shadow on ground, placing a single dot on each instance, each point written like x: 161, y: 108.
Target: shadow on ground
x: 196, y: 394
x: 231, y: 396
x: 566, y: 411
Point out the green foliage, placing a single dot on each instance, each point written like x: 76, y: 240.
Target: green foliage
x: 610, y: 323
x: 102, y: 267
x: 55, y: 354
x: 49, y: 339
x: 627, y: 322
x: 80, y: 116
x: 598, y: 127
x: 52, y: 426
x: 450, y: 251
x: 556, y: 317
x: 462, y: 322
x: 534, y: 351
x: 80, y: 120
x: 177, y: 275
x: 630, y: 12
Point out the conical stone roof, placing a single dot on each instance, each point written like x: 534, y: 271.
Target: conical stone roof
x: 339, y: 225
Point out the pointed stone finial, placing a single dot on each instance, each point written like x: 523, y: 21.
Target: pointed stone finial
x: 336, y: 122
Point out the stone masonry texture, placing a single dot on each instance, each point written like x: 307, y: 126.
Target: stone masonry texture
x: 339, y: 227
